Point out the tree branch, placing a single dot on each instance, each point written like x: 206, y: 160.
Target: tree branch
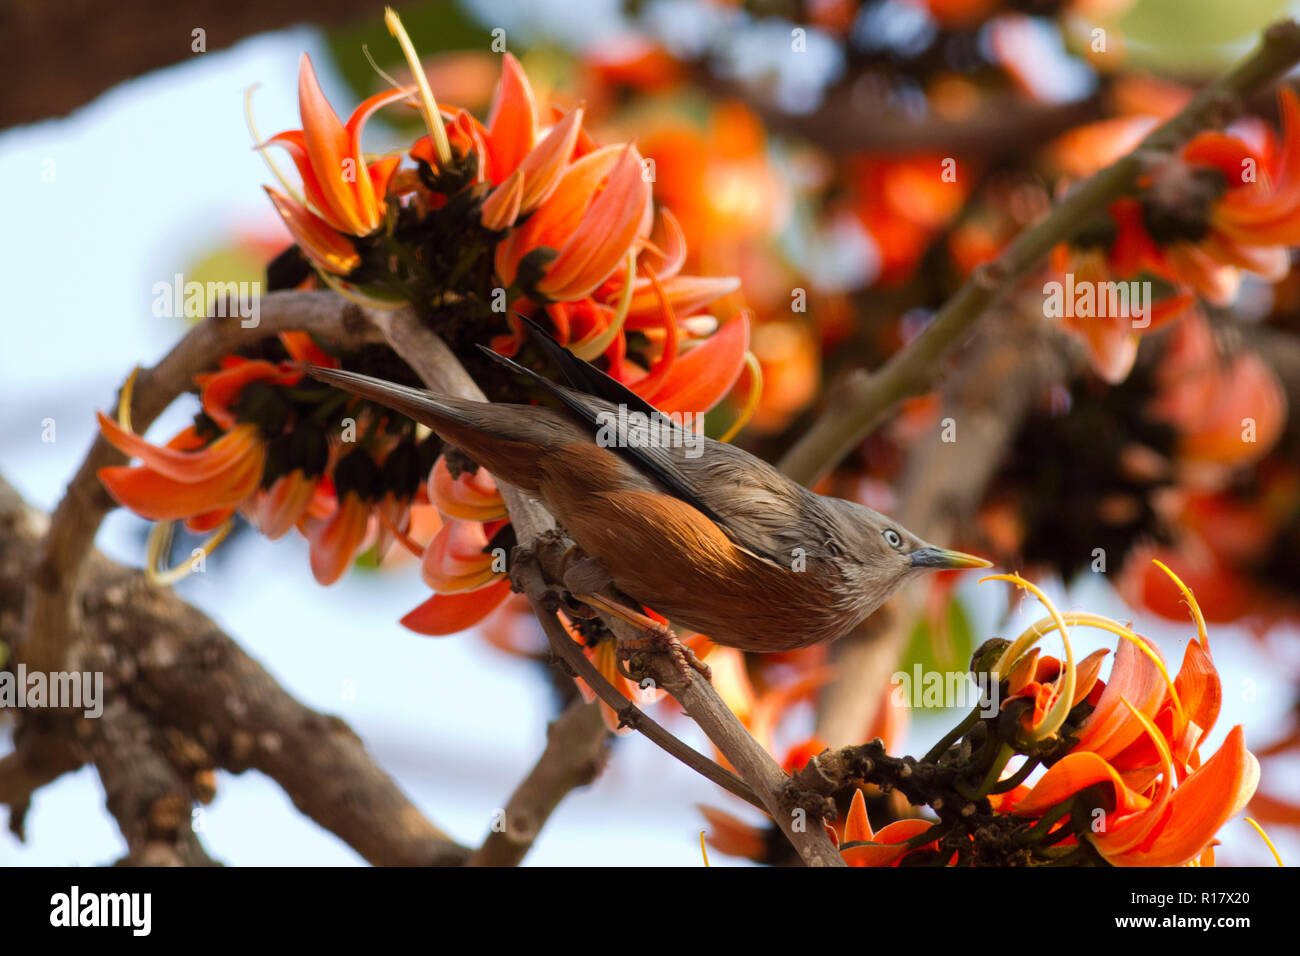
x: 849, y: 122
x: 576, y: 747
x: 859, y: 403
x: 57, y: 58
x: 51, y: 626
x: 182, y: 699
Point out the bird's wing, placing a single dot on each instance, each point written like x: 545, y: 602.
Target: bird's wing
x: 760, y: 509
x: 748, y: 499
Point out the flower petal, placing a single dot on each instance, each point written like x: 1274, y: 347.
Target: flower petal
x: 512, y: 122
x: 445, y: 614
x: 329, y: 150
x: 699, y: 379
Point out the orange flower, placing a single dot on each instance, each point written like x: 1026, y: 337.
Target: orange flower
x: 515, y: 144
x: 1260, y: 210
x: 1138, y: 755
x: 456, y: 563
x: 523, y: 159
x: 189, y: 478
x: 904, y: 202
x: 730, y: 835
x: 457, y: 558
x: 444, y: 614
x: 1164, y: 826
x: 1207, y: 397
x: 890, y: 844
x: 1112, y: 340
x: 344, y: 194
x: 180, y: 481
x: 1228, y: 202
x: 1037, y: 679
x: 687, y: 294
x: 693, y: 368
x: 283, y: 505
x: 472, y: 497
x: 719, y: 180
x: 336, y: 540
x: 587, y: 226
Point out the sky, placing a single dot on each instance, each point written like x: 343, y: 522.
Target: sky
x: 126, y: 192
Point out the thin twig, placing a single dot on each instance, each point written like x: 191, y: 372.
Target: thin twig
x: 568, y: 651
x: 576, y: 747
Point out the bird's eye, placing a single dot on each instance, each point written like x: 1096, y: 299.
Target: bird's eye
x: 893, y: 537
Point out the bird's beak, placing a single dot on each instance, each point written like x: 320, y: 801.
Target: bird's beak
x: 941, y: 559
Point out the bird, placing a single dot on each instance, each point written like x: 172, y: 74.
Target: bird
x: 711, y: 537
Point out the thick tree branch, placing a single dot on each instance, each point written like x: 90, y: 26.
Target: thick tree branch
x: 181, y: 699
x: 848, y: 121
x: 58, y: 56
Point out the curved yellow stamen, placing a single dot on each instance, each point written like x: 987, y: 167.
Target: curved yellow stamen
x: 160, y: 540
x: 1063, y: 694
x: 1157, y: 738
x: 1191, y: 604
x: 705, y: 853
x: 1114, y: 627
x: 428, y: 105
x: 365, y: 50
x: 124, y: 400
x: 590, y: 348
x: 261, y: 146
x: 1262, y: 835
x: 751, y: 400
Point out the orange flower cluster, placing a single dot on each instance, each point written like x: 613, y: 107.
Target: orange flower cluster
x: 1125, y: 770
x: 1135, y: 771
x: 1228, y: 202
x: 564, y: 224
x: 256, y: 451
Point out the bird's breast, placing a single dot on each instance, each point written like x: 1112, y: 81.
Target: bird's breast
x: 669, y: 556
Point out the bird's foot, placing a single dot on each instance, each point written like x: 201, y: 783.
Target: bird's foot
x: 663, y: 640
x: 659, y: 638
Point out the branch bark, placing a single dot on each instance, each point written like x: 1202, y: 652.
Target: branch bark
x: 849, y: 121
x: 59, y: 56
x: 181, y: 699
x: 577, y: 745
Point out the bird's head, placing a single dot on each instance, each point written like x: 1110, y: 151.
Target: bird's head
x: 880, y: 555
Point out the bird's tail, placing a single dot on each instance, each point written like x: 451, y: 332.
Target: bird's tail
x: 416, y: 403
x: 507, y: 440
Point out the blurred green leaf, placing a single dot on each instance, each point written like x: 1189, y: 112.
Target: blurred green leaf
x: 435, y: 27
x: 948, y: 650
x: 1198, y: 37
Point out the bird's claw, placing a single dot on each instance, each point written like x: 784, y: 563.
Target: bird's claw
x: 660, y: 639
